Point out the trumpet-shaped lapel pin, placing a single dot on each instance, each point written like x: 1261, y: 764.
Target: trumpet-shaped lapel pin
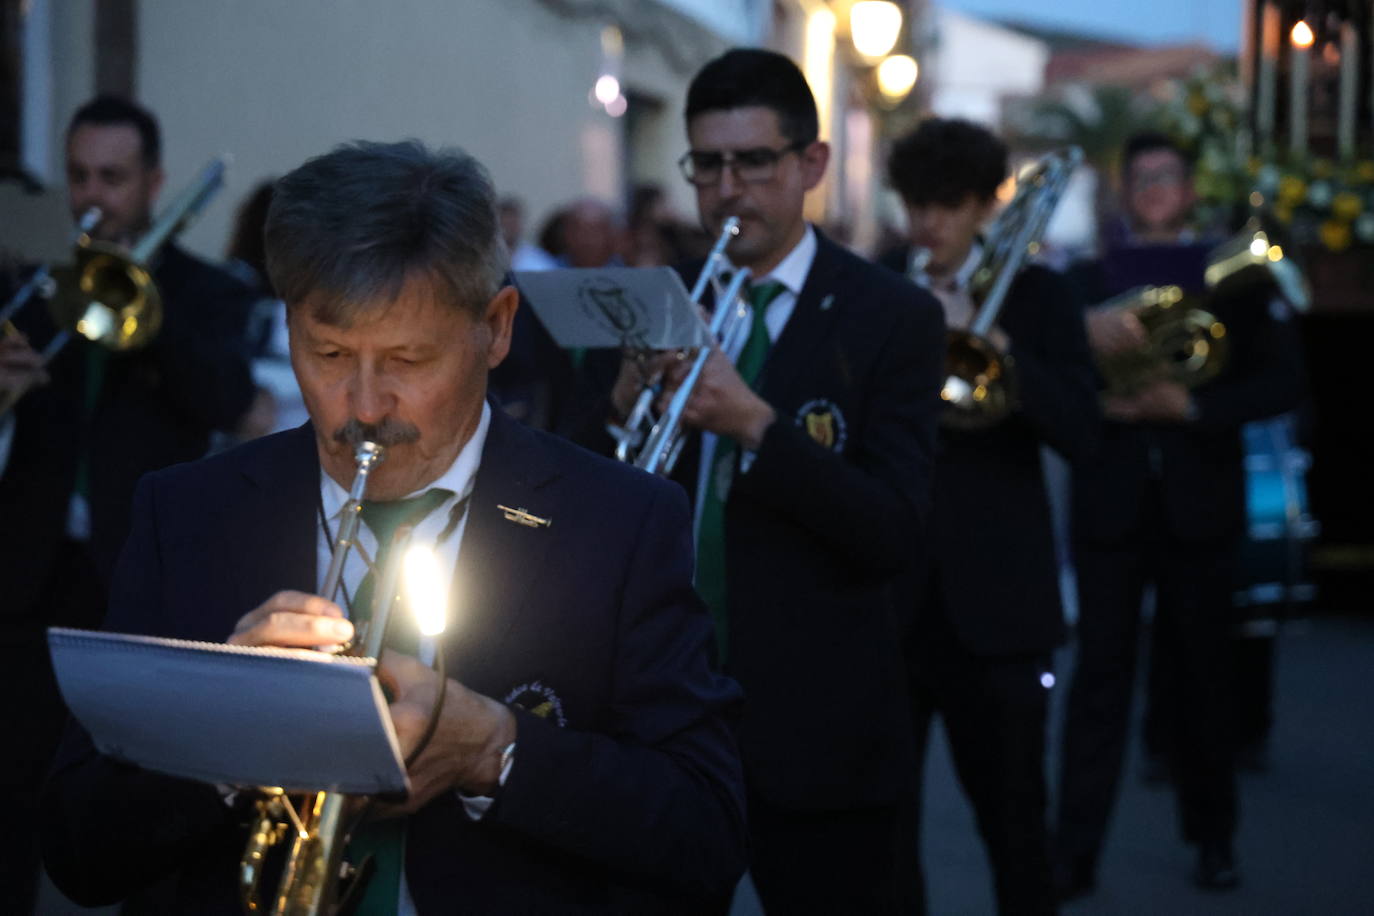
x: 522, y: 517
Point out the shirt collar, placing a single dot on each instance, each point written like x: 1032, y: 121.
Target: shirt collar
x: 964, y: 274
x: 792, y: 270
x: 459, y: 477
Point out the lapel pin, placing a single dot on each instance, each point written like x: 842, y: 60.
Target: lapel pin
x: 521, y: 517
x: 828, y: 301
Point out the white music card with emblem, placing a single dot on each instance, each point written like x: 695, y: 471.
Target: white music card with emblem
x: 637, y: 308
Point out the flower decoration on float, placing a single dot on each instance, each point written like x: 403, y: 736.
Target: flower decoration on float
x: 1318, y: 200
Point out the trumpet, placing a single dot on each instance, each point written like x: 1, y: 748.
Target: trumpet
x: 654, y: 444
x: 978, y: 390
x: 108, y: 295
x: 315, y: 878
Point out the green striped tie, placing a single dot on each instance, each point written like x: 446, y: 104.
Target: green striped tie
x: 711, y: 572
x: 385, y: 840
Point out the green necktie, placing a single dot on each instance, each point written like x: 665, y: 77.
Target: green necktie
x: 385, y: 840
x: 710, y: 578
x: 384, y: 518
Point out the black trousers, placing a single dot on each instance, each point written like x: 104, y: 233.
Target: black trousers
x: 825, y: 862
x: 33, y: 715
x: 994, y: 710
x: 1193, y: 581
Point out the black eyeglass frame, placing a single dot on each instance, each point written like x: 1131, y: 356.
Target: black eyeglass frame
x: 731, y: 160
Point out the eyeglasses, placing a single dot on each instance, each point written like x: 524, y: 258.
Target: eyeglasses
x: 703, y: 167
x: 1168, y: 175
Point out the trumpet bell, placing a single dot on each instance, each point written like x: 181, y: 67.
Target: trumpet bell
x: 977, y: 389
x: 108, y: 298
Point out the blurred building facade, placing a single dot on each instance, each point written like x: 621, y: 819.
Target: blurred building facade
x: 515, y: 82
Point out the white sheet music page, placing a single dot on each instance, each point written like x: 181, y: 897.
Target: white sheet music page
x: 639, y: 308
x: 217, y: 713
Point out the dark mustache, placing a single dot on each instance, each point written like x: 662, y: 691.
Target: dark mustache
x: 387, y: 433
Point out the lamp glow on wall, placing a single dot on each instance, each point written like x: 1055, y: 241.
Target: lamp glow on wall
x: 874, y: 26
x: 897, y: 76
x: 606, y: 92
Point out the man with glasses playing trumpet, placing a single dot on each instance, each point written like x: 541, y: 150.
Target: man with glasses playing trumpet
x: 76, y: 432
x: 582, y: 759
x: 810, y: 475
x: 987, y: 603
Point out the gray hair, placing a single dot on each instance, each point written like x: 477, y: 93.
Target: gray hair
x: 347, y: 229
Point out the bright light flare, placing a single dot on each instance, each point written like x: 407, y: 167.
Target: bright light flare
x: 426, y: 590
x: 1302, y: 35
x: 897, y: 75
x: 607, y: 89
x: 874, y: 26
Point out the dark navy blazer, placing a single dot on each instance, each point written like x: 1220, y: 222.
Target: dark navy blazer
x: 626, y: 793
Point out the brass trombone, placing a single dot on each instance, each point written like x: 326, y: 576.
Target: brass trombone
x: 108, y: 295
x: 978, y: 389
x: 42, y: 284
x: 652, y: 443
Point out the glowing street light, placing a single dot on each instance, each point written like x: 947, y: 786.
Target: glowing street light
x: 874, y: 26
x: 896, y: 76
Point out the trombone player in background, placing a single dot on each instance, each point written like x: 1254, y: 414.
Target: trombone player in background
x: 583, y: 760
x: 986, y: 601
x: 87, y: 426
x: 1163, y: 502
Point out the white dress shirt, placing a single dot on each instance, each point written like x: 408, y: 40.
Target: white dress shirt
x: 460, y: 478
x: 954, y: 298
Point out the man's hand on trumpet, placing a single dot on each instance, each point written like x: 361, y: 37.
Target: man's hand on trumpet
x: 638, y: 370
x: 293, y: 620
x: 721, y: 402
x: 465, y: 751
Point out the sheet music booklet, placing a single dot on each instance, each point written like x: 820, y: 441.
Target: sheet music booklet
x: 637, y: 308
x: 293, y: 718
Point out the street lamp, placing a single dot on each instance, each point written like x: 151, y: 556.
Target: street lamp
x: 896, y: 76
x: 874, y: 26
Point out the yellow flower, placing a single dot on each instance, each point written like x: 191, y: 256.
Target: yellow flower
x: 1292, y: 189
x: 1365, y: 171
x: 1323, y: 168
x: 1335, y: 235
x: 1346, y: 205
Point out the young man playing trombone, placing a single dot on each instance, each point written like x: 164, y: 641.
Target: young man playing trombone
x: 987, y: 604
x: 811, y: 480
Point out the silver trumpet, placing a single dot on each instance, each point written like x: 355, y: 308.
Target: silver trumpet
x: 652, y: 443
x: 315, y: 879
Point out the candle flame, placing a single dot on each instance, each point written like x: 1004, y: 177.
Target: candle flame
x: 1302, y: 35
